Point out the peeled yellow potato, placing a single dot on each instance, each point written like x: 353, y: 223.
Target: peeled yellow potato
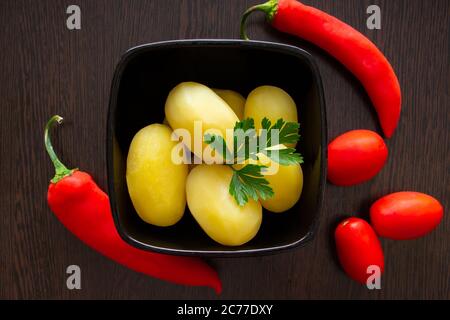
x: 287, y: 185
x: 216, y: 211
x: 189, y: 102
x: 156, y: 184
x: 285, y: 181
x: 234, y: 99
x: 272, y: 103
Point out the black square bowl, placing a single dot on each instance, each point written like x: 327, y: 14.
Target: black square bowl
x: 142, y: 81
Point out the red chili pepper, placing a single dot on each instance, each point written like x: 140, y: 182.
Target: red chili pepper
x: 84, y: 209
x: 356, y: 52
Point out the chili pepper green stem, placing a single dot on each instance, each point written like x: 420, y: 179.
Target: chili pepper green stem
x: 61, y: 170
x: 269, y: 8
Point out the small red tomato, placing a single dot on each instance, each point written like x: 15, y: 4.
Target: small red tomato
x: 405, y: 215
x: 358, y: 248
x: 355, y: 156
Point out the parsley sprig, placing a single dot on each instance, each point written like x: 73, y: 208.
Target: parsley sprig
x: 248, y: 181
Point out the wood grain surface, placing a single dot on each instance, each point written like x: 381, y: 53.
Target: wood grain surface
x: 47, y: 69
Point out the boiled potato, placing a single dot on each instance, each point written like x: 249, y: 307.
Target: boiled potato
x: 285, y: 181
x: 155, y: 183
x: 272, y: 103
x: 216, y: 211
x: 287, y: 184
x: 234, y: 99
x: 191, y: 102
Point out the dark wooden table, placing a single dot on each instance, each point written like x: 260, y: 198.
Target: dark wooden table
x: 46, y: 69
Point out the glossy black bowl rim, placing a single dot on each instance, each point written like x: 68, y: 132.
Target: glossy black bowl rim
x: 211, y: 42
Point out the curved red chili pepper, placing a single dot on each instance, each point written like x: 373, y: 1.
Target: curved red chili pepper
x: 356, y: 52
x: 84, y: 209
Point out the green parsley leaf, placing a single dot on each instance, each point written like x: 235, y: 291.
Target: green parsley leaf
x: 245, y: 124
x: 287, y: 132
x: 248, y: 182
x: 285, y: 157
